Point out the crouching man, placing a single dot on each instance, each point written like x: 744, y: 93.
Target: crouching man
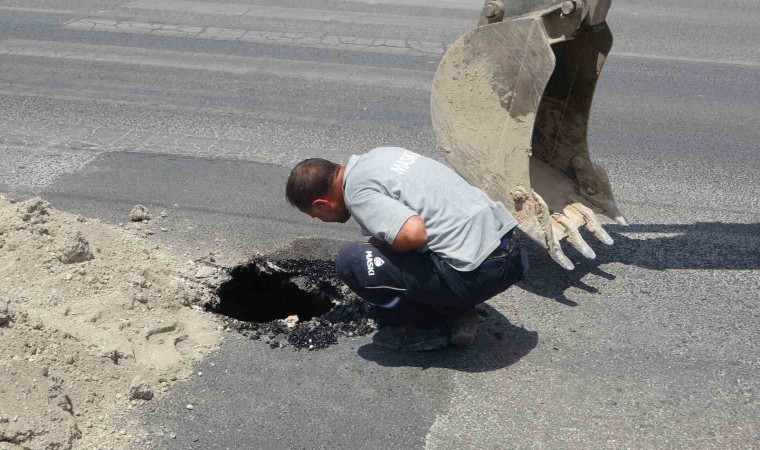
x: 438, y: 246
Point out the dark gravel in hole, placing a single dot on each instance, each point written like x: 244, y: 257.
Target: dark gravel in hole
x: 258, y: 295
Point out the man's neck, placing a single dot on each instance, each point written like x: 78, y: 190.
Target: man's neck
x: 339, y: 178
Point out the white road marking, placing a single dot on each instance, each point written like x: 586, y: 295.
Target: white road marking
x: 316, y: 15
x: 351, y: 73
x: 310, y: 40
x: 720, y: 62
x: 467, y: 5
x: 25, y: 145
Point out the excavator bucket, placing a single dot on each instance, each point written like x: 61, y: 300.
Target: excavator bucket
x: 510, y: 108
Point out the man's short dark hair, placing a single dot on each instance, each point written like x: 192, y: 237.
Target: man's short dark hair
x: 310, y: 180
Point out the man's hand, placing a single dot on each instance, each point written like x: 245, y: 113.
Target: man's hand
x: 412, y: 235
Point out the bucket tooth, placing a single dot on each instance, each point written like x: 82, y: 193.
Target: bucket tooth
x: 571, y: 220
x: 555, y: 249
x: 592, y: 224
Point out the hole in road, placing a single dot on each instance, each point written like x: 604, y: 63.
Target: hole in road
x: 262, y: 291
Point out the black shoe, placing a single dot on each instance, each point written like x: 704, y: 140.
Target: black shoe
x: 408, y: 338
x: 464, y: 328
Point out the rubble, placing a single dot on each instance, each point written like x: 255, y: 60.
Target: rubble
x: 205, y: 272
x: 313, y: 335
x: 78, y: 299
x: 139, y: 213
x: 290, y: 321
x: 75, y: 250
x: 328, y: 308
x: 5, y: 316
x: 140, y: 390
x: 34, y: 210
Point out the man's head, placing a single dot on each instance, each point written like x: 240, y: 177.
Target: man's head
x: 315, y: 188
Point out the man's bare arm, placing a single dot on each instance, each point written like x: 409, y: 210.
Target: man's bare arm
x: 412, y: 235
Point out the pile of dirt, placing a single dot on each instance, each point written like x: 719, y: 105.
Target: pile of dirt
x: 94, y: 321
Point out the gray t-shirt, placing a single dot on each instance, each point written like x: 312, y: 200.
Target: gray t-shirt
x: 386, y: 186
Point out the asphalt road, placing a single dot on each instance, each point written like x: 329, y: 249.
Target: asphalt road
x: 201, y: 108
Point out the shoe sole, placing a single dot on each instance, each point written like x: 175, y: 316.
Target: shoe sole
x: 433, y: 344
x: 384, y: 346
x: 462, y: 340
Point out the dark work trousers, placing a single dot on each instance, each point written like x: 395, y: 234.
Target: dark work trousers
x: 422, y: 289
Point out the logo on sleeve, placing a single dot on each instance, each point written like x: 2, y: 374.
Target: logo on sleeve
x: 370, y: 263
x: 378, y: 261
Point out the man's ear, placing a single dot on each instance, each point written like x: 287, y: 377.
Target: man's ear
x: 320, y: 203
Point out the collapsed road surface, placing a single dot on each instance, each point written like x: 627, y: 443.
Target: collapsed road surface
x: 296, y: 302
x: 201, y: 108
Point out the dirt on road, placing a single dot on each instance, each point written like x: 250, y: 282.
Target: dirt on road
x: 94, y: 321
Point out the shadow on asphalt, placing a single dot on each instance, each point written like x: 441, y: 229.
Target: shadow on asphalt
x: 499, y: 345
x: 699, y: 246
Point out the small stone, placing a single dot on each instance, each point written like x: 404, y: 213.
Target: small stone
x: 290, y: 321
x: 70, y: 359
x: 76, y: 250
x: 141, y: 282
x: 141, y: 298
x: 35, y: 210
x: 161, y: 327
x: 114, y: 355
x: 140, y: 390
x: 205, y: 272
x: 139, y: 213
x: 64, y: 402
x: 164, y: 229
x: 5, y: 316
x: 45, y: 371
x: 189, y: 406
